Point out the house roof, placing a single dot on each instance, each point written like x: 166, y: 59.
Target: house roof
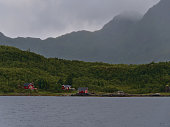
x: 67, y: 85
x: 82, y: 88
x: 27, y: 84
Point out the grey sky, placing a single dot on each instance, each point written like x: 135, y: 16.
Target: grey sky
x: 51, y: 18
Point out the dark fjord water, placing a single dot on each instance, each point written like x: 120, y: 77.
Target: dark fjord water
x: 84, y: 112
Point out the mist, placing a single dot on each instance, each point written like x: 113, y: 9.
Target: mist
x: 52, y: 18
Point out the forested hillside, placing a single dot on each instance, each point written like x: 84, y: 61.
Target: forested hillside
x: 18, y: 67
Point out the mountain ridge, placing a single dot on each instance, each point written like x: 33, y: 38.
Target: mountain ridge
x: 123, y: 40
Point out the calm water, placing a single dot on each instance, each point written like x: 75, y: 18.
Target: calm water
x: 84, y: 112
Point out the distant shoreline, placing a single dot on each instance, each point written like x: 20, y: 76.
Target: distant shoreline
x: 88, y: 95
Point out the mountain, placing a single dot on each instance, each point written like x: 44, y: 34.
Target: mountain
x: 128, y: 38
x: 152, y: 33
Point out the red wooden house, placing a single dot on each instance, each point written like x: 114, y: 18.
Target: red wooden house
x: 29, y: 86
x: 66, y: 87
x: 83, y: 90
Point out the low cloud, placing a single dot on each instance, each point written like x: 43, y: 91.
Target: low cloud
x: 51, y: 18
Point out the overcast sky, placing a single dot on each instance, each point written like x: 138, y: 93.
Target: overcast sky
x: 51, y: 18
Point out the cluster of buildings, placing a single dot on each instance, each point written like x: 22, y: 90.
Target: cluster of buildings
x: 81, y: 90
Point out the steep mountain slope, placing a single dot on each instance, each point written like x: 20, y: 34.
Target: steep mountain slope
x: 81, y: 45
x: 152, y: 38
x: 125, y: 39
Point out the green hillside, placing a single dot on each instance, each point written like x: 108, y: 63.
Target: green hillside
x: 18, y: 67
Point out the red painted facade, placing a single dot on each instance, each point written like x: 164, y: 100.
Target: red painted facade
x: 83, y: 90
x: 66, y: 87
x: 86, y: 91
x: 29, y: 86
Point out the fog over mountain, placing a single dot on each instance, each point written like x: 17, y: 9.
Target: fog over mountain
x: 128, y: 38
x: 52, y: 18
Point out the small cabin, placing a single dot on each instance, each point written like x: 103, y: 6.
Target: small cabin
x: 120, y: 93
x: 29, y: 86
x: 83, y: 90
x: 66, y: 87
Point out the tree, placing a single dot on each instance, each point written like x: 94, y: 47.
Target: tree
x: 60, y: 81
x: 69, y: 80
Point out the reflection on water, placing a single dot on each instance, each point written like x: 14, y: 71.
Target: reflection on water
x: 84, y: 112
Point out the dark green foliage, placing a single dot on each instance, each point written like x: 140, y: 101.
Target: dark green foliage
x: 60, y: 82
x: 18, y: 67
x: 69, y: 80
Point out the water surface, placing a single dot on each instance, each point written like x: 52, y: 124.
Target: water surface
x: 84, y: 112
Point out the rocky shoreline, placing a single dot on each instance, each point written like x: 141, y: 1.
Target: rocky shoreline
x: 90, y: 95
x: 122, y: 95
